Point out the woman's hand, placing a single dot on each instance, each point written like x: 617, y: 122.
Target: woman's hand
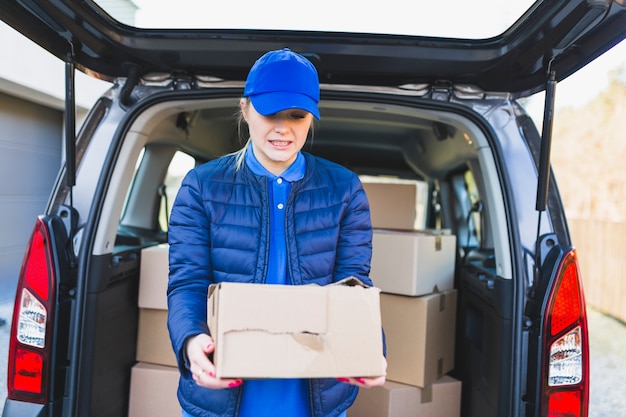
x: 367, y: 382
x: 198, y: 349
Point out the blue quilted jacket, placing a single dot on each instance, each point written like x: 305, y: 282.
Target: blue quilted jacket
x: 219, y: 231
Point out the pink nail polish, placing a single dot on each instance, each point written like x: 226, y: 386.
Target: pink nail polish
x: 343, y: 379
x: 212, y: 374
x: 360, y: 380
x: 235, y: 384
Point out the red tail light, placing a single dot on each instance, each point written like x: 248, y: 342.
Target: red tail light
x: 566, y: 346
x: 29, y: 349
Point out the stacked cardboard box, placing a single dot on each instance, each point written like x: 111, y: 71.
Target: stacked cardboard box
x: 400, y: 400
x: 260, y: 331
x: 153, y: 341
x: 396, y: 204
x: 420, y: 336
x: 415, y: 271
x: 413, y: 263
x: 153, y: 391
x: 154, y: 379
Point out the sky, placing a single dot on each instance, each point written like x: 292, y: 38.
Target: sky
x: 462, y: 18
x: 479, y: 18
x: 584, y: 85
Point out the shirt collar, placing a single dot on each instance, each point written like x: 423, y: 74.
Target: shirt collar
x: 295, y: 171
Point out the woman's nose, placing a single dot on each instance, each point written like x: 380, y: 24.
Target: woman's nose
x: 280, y: 124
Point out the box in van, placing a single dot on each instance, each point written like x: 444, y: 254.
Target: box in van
x: 301, y: 331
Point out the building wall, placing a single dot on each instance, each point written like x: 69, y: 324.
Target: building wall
x: 32, y: 92
x: 122, y: 10
x: 30, y: 157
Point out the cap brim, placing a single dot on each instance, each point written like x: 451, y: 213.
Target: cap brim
x: 272, y: 103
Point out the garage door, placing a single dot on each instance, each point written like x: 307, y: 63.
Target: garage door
x: 30, y: 157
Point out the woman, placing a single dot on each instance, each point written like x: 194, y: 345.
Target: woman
x: 266, y: 214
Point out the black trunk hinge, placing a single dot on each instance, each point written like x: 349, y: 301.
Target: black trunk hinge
x: 67, y: 213
x: 543, y: 169
x: 70, y: 122
x: 131, y: 82
x: 544, y: 243
x: 546, y: 141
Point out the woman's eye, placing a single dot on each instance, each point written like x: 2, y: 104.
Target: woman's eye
x: 292, y: 115
x: 298, y: 116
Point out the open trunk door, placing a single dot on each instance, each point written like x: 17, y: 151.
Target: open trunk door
x: 565, y: 34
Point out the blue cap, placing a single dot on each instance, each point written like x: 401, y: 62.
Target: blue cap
x: 282, y: 80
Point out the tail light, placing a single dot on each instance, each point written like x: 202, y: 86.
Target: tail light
x: 30, y: 344
x: 566, y: 346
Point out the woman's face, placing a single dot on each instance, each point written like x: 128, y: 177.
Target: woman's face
x: 277, y: 138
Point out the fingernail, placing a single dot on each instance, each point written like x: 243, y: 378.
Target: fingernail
x: 212, y: 374
x: 343, y: 379
x: 235, y: 384
x: 209, y: 346
x: 360, y: 380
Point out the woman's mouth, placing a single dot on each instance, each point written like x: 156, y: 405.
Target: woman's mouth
x: 280, y: 143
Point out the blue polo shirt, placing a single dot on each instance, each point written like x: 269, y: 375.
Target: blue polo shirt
x: 276, y: 397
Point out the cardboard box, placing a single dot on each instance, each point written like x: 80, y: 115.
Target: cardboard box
x: 413, y: 263
x: 153, y: 277
x: 420, y: 335
x: 153, y: 391
x: 441, y: 399
x: 153, y: 339
x: 396, y: 204
x: 296, y: 331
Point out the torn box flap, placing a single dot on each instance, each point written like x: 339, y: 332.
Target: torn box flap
x: 351, y: 282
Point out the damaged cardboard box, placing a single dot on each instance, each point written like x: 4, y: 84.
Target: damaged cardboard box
x: 296, y: 331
